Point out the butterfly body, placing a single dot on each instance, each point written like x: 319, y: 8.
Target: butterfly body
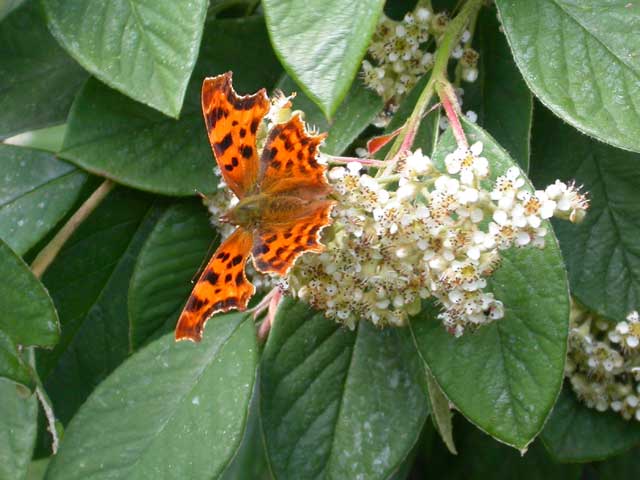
x: 282, y: 195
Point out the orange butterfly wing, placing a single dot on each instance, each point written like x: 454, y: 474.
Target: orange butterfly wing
x: 232, y: 123
x: 276, y: 246
x: 290, y: 171
x: 289, y: 163
x: 222, y: 286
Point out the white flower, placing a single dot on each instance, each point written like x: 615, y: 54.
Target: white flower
x: 470, y: 74
x: 468, y: 163
x: 423, y: 14
x: 471, y: 116
x: 418, y: 164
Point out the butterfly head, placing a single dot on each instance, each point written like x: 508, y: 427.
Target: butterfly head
x: 246, y: 213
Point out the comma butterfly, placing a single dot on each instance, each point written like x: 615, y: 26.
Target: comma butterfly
x: 282, y: 194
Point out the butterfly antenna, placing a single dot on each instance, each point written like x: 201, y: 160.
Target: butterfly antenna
x: 206, y: 258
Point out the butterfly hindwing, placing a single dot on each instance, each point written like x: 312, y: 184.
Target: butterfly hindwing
x: 276, y: 246
x: 289, y: 161
x: 222, y: 286
x: 232, y: 123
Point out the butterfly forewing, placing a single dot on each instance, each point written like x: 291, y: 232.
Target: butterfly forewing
x: 232, y: 123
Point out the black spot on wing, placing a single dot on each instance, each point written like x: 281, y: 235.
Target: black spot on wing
x: 223, y: 144
x: 216, y: 114
x: 195, y: 304
x: 246, y: 151
x: 254, y: 125
x: 211, y: 277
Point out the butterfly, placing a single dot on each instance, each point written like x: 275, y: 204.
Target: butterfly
x: 282, y: 193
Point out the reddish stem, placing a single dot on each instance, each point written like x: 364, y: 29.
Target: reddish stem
x: 452, y: 115
x: 273, y: 300
x: 364, y: 161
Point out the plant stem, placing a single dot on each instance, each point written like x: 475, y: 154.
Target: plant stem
x: 370, y: 162
x: 438, y: 74
x: 49, y: 252
x: 451, y: 108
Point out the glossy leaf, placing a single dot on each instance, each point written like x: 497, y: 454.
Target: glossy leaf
x: 47, y: 138
x: 580, y: 60
x: 27, y: 314
x: 8, y: 6
x: 506, y: 376
x: 624, y: 466
x: 113, y: 136
x: 321, y: 44
x: 155, y: 43
x: 337, y: 403
x: 36, y: 191
x: 165, y: 268
x: 601, y: 253
x: 576, y: 433
x: 356, y: 113
x: 499, y: 96
x: 37, y: 469
x: 173, y: 410
x: 480, y: 457
x: 88, y: 282
x: 38, y: 80
x: 18, y: 421
x: 441, y: 413
x: 12, y: 365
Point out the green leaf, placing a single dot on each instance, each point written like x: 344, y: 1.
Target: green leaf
x: 174, y: 410
x: 12, y: 365
x: 624, y: 466
x: 481, y: 457
x: 250, y: 461
x: 18, y: 428
x: 321, y: 44
x: 113, y: 136
x: 576, y: 433
x: 36, y: 191
x: 8, y: 6
x: 506, y: 376
x: 168, y: 261
x: 356, y: 113
x: 580, y: 59
x: 500, y: 96
x: 27, y: 314
x: 47, y: 138
x: 146, y: 49
x: 601, y: 253
x: 38, y: 80
x: 88, y: 282
x: 37, y: 469
x: 337, y: 403
x: 441, y: 413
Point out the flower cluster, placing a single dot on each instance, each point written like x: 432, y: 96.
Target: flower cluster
x: 603, y: 364
x: 431, y: 235
x: 399, y: 53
